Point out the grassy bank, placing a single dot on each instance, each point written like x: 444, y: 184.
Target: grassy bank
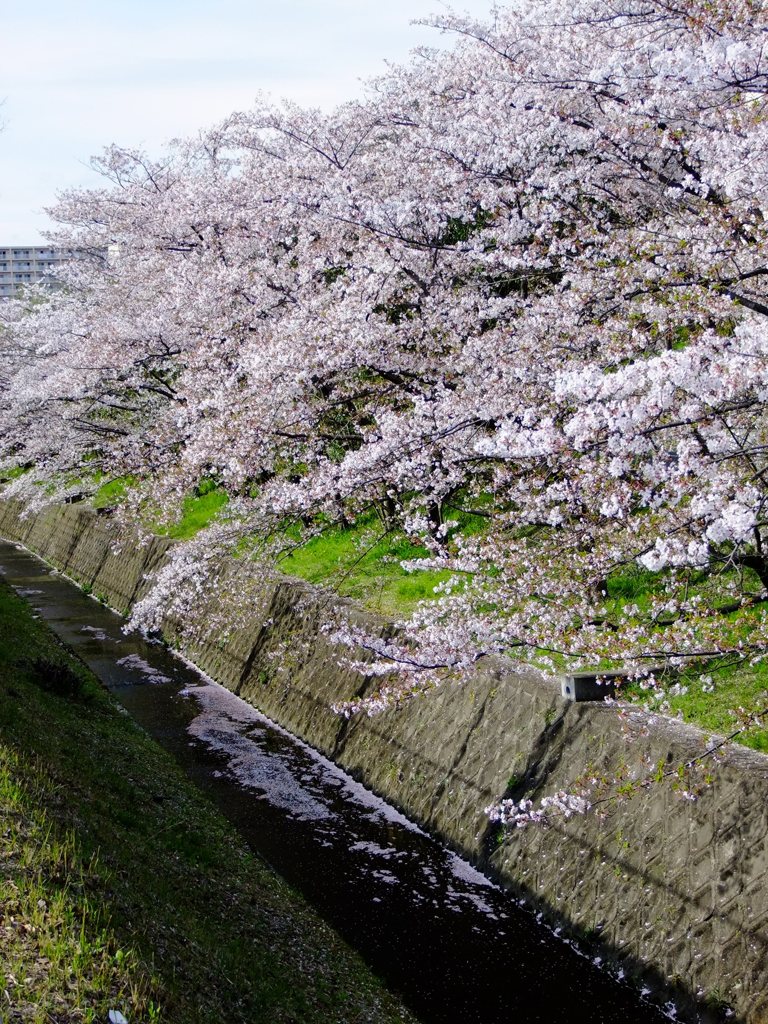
x: 122, y: 887
x: 362, y: 561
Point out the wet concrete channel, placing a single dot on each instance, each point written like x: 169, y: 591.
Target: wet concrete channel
x: 456, y: 947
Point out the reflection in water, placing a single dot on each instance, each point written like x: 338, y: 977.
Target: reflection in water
x: 454, y: 945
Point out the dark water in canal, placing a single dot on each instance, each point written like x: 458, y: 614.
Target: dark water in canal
x: 457, y: 948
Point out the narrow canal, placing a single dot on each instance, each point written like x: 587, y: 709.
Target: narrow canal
x: 458, y: 949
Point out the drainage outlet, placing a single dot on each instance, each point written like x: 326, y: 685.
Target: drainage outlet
x: 590, y: 685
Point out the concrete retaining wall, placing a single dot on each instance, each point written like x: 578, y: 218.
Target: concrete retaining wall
x: 673, y: 893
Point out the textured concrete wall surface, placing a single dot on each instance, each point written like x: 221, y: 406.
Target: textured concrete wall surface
x: 671, y: 892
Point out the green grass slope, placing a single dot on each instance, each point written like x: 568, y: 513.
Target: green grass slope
x: 362, y: 561
x: 123, y: 888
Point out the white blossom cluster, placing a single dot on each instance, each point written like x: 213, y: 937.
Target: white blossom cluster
x: 560, y: 805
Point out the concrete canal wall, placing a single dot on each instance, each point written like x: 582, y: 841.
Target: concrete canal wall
x: 672, y: 892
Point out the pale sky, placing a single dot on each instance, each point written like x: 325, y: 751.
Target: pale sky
x: 77, y: 75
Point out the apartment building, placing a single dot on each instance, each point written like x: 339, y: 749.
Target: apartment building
x: 26, y: 264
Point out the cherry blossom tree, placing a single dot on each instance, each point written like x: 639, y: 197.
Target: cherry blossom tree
x: 524, y: 278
